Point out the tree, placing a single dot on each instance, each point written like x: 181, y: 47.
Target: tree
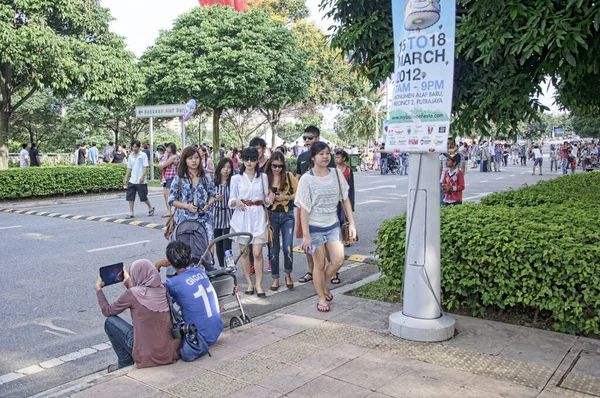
x: 505, y: 50
x: 289, y: 10
x: 64, y: 45
x: 243, y: 123
x: 358, y: 122
x: 38, y: 119
x: 225, y: 60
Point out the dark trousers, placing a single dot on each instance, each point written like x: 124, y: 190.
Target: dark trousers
x: 223, y: 245
x: 120, y: 334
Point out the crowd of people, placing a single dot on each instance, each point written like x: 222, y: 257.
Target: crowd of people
x: 250, y: 191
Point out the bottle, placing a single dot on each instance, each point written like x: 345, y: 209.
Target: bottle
x: 229, y: 259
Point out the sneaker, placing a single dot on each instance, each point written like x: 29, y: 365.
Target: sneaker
x: 252, y: 268
x: 269, y: 269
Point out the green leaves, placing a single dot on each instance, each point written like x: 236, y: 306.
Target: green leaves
x: 536, y: 247
x: 47, y: 181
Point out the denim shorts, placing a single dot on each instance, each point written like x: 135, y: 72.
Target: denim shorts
x: 320, y: 238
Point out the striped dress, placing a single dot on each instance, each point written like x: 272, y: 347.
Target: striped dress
x: 221, y: 211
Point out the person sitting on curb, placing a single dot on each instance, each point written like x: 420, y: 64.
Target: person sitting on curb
x: 148, y: 341
x: 192, y: 291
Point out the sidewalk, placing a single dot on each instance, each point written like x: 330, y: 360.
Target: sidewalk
x: 299, y: 352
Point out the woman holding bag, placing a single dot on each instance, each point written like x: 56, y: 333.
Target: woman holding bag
x: 318, y: 194
x: 281, y: 216
x: 249, y: 198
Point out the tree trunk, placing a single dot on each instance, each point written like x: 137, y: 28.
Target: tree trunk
x: 4, y: 117
x: 216, y: 117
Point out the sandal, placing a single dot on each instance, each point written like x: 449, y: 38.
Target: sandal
x: 289, y: 283
x: 151, y: 212
x: 336, y: 279
x: 329, y: 296
x: 306, y: 278
x: 322, y: 307
x: 129, y: 216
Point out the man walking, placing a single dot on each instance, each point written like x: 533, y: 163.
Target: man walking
x: 137, y: 167
x: 24, y: 156
x: 93, y: 154
x: 537, y: 156
x: 108, y: 152
x: 34, y: 156
x: 82, y: 155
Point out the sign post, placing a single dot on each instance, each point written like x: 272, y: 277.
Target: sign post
x: 151, y: 149
x: 419, y: 124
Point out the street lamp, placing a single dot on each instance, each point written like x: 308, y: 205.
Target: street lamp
x: 376, y: 106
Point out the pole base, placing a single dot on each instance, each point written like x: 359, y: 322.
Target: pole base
x: 426, y: 330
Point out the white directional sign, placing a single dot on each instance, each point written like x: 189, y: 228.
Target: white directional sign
x: 173, y: 110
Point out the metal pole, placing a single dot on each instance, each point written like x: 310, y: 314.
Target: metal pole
x: 376, y: 122
x: 151, y: 149
x: 182, y: 133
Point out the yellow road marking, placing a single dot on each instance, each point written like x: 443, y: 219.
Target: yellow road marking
x: 119, y: 220
x: 93, y: 218
x: 105, y: 219
x: 357, y: 257
x: 65, y: 216
x: 18, y: 211
x: 53, y: 214
x: 151, y: 225
x: 77, y: 217
x: 136, y: 223
x: 30, y: 212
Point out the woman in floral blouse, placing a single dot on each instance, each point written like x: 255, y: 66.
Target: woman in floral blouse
x: 193, y: 191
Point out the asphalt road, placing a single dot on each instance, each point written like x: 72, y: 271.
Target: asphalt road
x: 49, y: 266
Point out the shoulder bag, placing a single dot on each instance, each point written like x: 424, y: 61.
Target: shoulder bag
x: 269, y: 227
x: 171, y: 220
x: 193, y: 345
x: 345, y: 225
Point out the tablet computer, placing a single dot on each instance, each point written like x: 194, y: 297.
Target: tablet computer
x: 112, y: 274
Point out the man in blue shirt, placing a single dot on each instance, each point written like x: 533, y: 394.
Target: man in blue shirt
x: 93, y: 154
x: 192, y: 291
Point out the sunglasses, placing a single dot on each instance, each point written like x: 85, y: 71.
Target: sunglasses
x: 250, y: 159
x: 308, y: 137
x: 277, y: 166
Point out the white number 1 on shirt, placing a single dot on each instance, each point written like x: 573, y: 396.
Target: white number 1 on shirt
x: 203, y: 293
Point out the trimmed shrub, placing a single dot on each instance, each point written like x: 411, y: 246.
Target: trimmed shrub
x: 540, y: 257
x: 46, y: 181
x: 292, y: 162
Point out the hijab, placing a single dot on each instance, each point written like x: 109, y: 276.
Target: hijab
x: 147, y: 287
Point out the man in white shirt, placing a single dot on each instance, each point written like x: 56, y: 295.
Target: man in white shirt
x: 537, y: 155
x: 24, y: 156
x: 137, y: 167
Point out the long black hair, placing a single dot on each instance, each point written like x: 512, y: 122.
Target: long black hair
x: 250, y: 153
x: 315, y: 148
x: 283, y: 184
x: 220, y: 166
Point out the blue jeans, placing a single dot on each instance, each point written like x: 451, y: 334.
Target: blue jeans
x: 565, y: 165
x: 383, y: 166
x: 553, y: 164
x: 404, y: 169
x: 283, y: 224
x: 120, y: 334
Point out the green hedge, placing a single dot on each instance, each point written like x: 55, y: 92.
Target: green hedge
x: 47, y: 181
x: 538, y: 257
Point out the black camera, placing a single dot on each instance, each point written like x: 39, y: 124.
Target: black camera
x: 181, y: 329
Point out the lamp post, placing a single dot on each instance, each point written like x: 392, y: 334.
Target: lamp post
x: 376, y: 106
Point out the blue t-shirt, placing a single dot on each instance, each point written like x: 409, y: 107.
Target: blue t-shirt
x: 194, y: 293
x: 93, y: 155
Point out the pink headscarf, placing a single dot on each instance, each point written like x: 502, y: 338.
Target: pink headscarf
x: 147, y: 287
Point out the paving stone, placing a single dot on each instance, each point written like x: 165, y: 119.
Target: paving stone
x: 288, y: 351
x: 30, y: 370
x: 250, y: 368
x: 116, y: 388
x: 249, y: 340
x: 365, y: 373
x: 51, y: 363
x: 255, y: 391
x: 288, y: 379
x: 501, y: 387
x: 327, y: 387
x: 294, y: 323
x: 207, y: 385
x: 412, y: 385
x: 161, y: 377
x: 581, y: 383
x: 466, y: 392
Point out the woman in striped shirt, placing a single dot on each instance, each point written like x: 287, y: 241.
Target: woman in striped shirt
x: 221, y: 210
x: 168, y: 164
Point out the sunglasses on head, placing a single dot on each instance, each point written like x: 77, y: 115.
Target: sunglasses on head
x: 308, y: 137
x: 250, y: 159
x: 277, y: 166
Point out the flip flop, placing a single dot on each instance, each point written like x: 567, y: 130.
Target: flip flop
x: 306, y: 278
x: 336, y: 279
x: 329, y: 297
x: 323, y: 307
x: 151, y: 212
x: 129, y: 216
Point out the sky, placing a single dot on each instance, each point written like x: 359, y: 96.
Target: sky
x: 140, y: 21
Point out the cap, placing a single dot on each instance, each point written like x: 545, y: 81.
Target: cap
x: 454, y: 158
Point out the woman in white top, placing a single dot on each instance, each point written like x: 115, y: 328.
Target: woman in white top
x: 249, y: 191
x: 318, y: 194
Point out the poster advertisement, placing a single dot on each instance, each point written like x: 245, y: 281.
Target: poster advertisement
x: 423, y: 75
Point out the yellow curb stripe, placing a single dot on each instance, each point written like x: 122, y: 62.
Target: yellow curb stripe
x: 151, y: 226
x: 53, y: 215
x: 105, y: 219
x: 18, y: 211
x: 77, y: 217
x: 65, y: 216
x: 119, y: 220
x: 93, y: 218
x: 30, y: 212
x: 298, y: 249
x: 135, y: 223
x: 41, y: 213
x: 357, y: 257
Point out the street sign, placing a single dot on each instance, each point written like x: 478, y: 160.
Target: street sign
x: 172, y: 110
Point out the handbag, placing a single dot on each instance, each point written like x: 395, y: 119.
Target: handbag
x: 171, y: 224
x: 345, y: 225
x: 269, y: 227
x: 193, y: 345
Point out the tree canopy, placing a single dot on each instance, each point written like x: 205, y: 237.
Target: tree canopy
x: 505, y: 51
x: 63, y: 45
x: 225, y: 60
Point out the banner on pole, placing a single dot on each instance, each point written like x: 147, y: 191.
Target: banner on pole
x: 424, y: 37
